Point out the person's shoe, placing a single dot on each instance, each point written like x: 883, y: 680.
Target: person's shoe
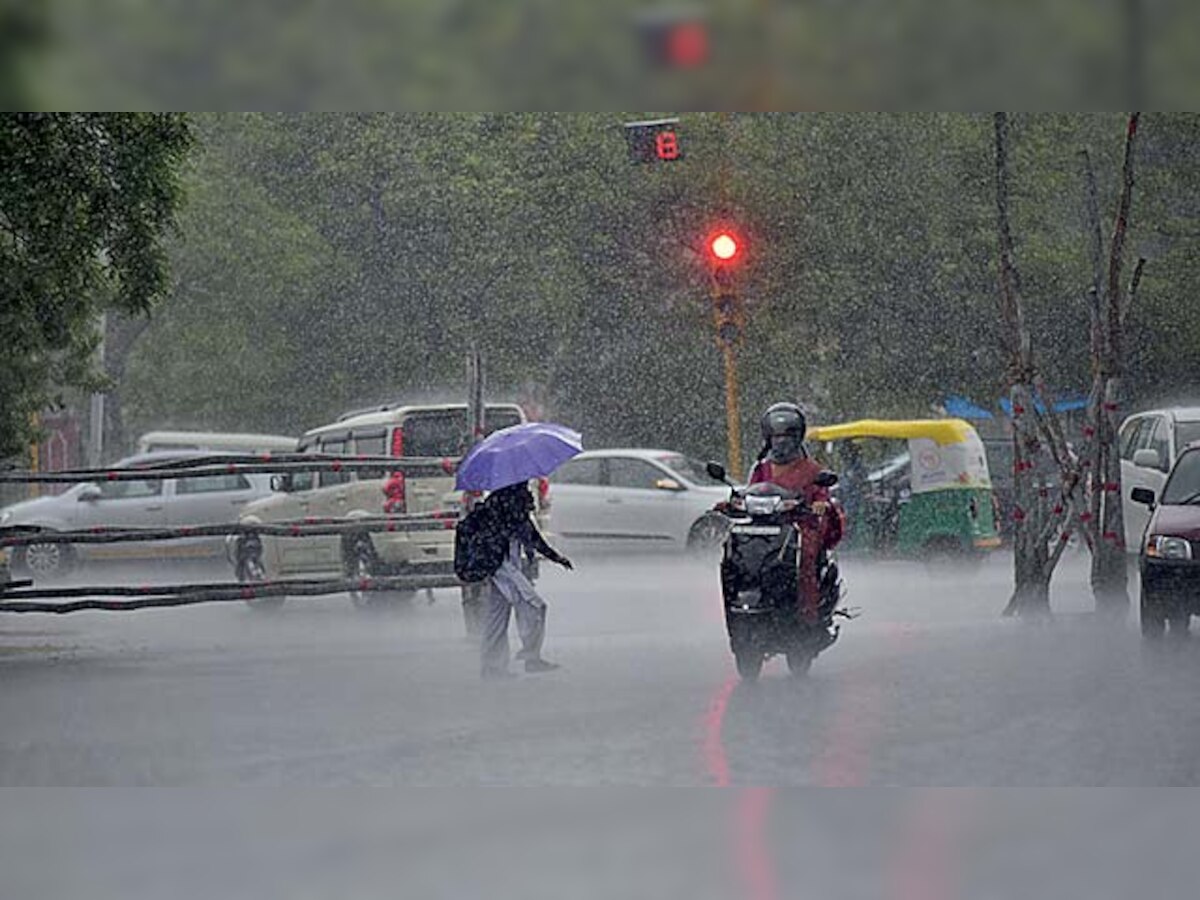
x: 521, y: 654
x: 540, y: 665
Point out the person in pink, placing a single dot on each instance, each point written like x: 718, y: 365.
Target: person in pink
x: 783, y: 461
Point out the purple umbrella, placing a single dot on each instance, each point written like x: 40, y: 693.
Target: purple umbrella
x: 516, y: 454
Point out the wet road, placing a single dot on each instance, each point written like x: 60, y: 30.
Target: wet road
x: 929, y: 687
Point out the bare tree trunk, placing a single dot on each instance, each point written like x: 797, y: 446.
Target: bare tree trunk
x: 1031, y: 592
x: 121, y: 335
x: 1108, y: 308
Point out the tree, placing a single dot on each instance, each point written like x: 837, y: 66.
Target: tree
x: 1049, y: 478
x: 361, y: 255
x: 1108, y: 305
x: 85, y: 203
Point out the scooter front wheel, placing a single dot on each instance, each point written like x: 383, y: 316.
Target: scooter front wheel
x: 749, y: 664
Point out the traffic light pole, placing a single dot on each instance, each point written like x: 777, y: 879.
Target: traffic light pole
x: 727, y: 310
x: 733, y: 426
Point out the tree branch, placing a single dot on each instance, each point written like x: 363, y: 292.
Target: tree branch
x: 1134, y: 283
x: 1117, y: 251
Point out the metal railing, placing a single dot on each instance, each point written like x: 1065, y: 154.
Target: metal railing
x: 24, y: 596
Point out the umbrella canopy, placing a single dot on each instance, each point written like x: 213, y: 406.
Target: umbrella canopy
x: 516, y: 454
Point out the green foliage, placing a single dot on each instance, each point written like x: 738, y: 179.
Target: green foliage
x: 85, y: 201
x: 334, y: 261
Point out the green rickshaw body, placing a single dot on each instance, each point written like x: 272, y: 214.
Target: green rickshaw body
x: 946, y: 507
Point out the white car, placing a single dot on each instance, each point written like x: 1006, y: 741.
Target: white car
x: 1150, y: 442
x: 153, y: 503
x: 635, y: 500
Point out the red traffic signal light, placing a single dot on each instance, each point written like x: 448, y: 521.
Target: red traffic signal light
x: 687, y: 45
x: 724, y: 246
x: 675, y: 39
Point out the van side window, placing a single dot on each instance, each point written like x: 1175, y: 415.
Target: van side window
x: 437, y: 434
x: 370, y: 443
x: 495, y: 419
x: 335, y: 445
x: 304, y: 481
x: 212, y: 484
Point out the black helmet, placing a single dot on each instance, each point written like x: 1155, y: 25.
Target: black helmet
x: 783, y: 428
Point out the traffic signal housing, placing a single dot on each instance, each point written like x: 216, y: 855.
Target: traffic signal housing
x: 724, y: 250
x: 675, y: 39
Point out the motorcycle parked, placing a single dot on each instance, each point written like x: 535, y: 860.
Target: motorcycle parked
x: 760, y: 577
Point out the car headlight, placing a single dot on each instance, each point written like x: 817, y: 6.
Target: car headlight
x: 1166, y: 547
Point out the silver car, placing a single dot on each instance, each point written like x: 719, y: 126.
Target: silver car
x: 635, y: 500
x: 153, y: 503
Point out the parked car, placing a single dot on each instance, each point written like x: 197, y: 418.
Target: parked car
x: 153, y: 503
x: 1169, y: 554
x: 153, y: 441
x: 636, y: 500
x: 1149, y: 444
x: 438, y: 431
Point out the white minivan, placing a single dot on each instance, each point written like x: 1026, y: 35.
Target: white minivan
x: 437, y: 431
x: 1149, y: 443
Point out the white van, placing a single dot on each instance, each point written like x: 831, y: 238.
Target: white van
x: 155, y: 441
x: 1149, y: 444
x: 437, y: 431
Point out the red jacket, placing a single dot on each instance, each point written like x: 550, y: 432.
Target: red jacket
x: 798, y: 476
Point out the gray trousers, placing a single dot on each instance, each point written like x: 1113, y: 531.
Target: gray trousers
x: 531, y: 626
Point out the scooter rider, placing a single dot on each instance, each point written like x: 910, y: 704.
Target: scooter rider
x: 783, y: 461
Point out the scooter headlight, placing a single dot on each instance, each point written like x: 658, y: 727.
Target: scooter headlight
x: 763, y: 506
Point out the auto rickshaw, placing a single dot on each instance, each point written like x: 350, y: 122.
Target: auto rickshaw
x: 931, y: 500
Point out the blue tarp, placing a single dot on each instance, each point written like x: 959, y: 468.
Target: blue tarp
x: 1067, y: 405
x: 963, y: 408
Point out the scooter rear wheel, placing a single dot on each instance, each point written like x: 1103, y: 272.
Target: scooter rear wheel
x: 799, y: 662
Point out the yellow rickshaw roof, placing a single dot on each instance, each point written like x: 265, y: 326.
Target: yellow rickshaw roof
x: 942, y: 431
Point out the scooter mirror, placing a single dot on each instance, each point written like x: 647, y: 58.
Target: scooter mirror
x: 715, y: 470
x: 825, y: 479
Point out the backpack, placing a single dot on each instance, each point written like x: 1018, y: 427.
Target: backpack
x: 479, y: 547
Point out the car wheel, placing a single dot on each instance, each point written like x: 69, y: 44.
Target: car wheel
x: 1153, y: 616
x: 707, y: 534
x: 43, y: 562
x: 363, y: 564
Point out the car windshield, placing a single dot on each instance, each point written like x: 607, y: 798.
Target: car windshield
x: 690, y: 469
x: 1186, y: 433
x: 1184, y: 484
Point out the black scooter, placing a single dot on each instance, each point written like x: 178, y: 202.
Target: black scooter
x: 760, y: 578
